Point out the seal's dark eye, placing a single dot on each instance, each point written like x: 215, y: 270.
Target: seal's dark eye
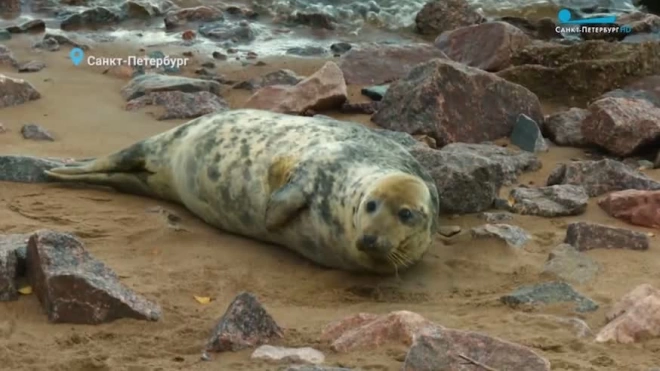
x: 405, y: 215
x: 371, y: 206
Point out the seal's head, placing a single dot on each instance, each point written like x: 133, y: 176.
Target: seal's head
x: 395, y: 222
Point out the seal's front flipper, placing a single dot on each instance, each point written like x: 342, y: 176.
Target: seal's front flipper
x: 287, y: 197
x: 284, y: 205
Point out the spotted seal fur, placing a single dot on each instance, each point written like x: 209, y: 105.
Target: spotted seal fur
x: 338, y: 193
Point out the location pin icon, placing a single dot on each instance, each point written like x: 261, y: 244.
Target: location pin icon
x: 76, y: 56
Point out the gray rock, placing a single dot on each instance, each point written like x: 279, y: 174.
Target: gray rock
x: 449, y: 230
x: 13, y: 260
x: 306, y: 51
x: 36, y: 132
x: 644, y: 88
x: 367, y: 64
x: 26, y: 169
x: 340, y: 48
x: 475, y: 106
x: 513, y: 235
x: 552, y: 201
x: 229, y: 32
x: 549, y: 293
x: 376, y: 92
x: 11, y: 267
x: 31, y: 66
x: 7, y: 57
x: 48, y: 44
x: 92, y: 19
x: 279, y: 77
x: 527, y: 135
x: 179, y: 105
x: 568, y: 264
x: 63, y: 40
x: 31, y: 26
x: 564, y: 128
x: 600, y: 177
x: 74, y: 287
x: 144, y: 84
x: 582, y: 70
x: 245, y: 324
x: 587, y: 236
x: 437, y: 348
x: 146, y: 8
x: 495, y: 217
x: 469, y: 176
x: 15, y: 91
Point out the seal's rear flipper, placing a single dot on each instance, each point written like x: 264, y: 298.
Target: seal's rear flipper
x: 123, y: 182
x: 124, y: 171
x: 287, y: 197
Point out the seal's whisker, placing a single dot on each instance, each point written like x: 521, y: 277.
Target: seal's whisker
x: 392, y: 259
x: 402, y: 258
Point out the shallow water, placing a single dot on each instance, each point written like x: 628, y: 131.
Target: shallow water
x: 358, y: 21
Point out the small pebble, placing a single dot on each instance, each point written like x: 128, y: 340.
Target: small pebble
x: 219, y: 56
x: 449, y: 230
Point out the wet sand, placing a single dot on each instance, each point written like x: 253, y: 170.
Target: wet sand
x: 457, y: 285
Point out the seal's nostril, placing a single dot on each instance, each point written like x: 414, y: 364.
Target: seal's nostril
x: 369, y: 240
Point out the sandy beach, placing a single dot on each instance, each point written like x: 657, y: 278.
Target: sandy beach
x: 457, y: 285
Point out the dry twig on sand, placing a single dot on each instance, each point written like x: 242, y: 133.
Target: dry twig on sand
x: 476, y: 363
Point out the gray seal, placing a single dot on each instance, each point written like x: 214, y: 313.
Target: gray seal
x: 338, y: 193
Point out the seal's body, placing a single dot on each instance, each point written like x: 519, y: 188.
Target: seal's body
x: 338, y: 193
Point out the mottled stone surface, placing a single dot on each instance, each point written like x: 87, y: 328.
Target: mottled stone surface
x: 551, y: 201
x: 16, y: 91
x: 622, y: 126
x: 245, y: 324
x: 74, y: 287
x: 439, y: 16
x: 373, y: 64
x: 600, y: 177
x: 513, y: 235
x: 437, y: 348
x: 565, y: 128
x: 549, y: 293
x: 488, y: 46
x: 634, y: 206
x: 565, y: 262
x: 152, y: 83
x: 365, y: 331
x: 451, y: 102
x: 587, y: 236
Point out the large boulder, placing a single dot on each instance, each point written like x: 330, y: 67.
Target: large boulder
x: 488, y: 46
x: 438, y: 16
x: 622, y: 126
x: 580, y: 72
x: 451, y: 102
x: 374, y: 64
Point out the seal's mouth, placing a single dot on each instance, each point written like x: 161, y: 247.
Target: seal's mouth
x: 374, y: 246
